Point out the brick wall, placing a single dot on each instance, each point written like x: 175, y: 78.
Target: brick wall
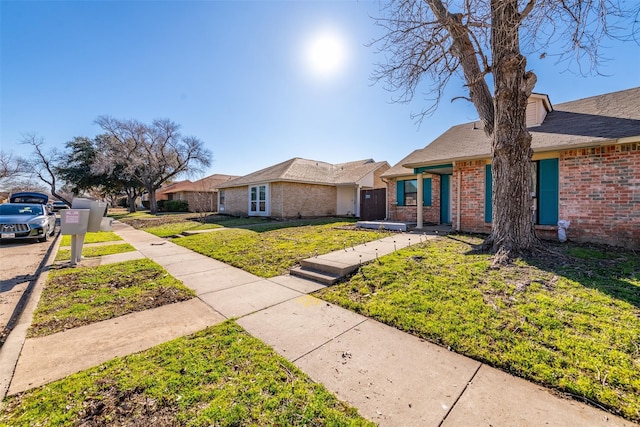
x: 600, y: 194
x: 287, y: 200
x: 472, y: 201
x: 200, y: 201
x: 430, y: 214
x: 290, y: 200
x: 236, y: 201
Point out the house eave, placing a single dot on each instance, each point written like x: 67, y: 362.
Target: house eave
x: 291, y: 181
x: 417, y: 165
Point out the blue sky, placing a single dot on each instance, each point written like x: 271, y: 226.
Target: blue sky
x: 234, y: 74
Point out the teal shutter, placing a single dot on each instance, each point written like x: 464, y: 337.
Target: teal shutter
x: 488, y: 194
x: 548, y: 178
x: 426, y: 192
x: 400, y: 193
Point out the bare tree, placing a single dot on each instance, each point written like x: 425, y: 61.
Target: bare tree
x: 201, y: 202
x: 479, y: 40
x: 43, y: 164
x: 10, y: 165
x: 155, y: 153
x: 12, y: 170
x: 118, y: 175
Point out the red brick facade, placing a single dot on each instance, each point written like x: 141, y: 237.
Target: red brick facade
x: 430, y: 214
x: 599, y: 192
x: 472, y: 203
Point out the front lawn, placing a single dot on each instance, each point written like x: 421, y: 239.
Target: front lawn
x: 221, y: 376
x: 166, y: 225
x: 98, y: 237
x: 274, y: 251
x: 171, y: 229
x: 96, y: 251
x: 569, y: 320
x: 75, y: 297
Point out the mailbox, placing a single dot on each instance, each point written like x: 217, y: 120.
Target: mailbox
x: 106, y: 224
x: 74, y: 221
x: 96, y: 212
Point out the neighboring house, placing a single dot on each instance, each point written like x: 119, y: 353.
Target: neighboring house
x: 585, y: 168
x: 302, y: 188
x: 202, y: 195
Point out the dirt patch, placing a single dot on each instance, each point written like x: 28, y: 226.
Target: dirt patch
x: 170, y: 219
x: 152, y: 299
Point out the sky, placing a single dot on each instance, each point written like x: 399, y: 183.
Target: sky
x: 259, y: 82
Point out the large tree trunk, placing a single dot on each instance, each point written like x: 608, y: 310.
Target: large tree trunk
x: 512, y: 231
x: 153, y: 204
x: 131, y: 199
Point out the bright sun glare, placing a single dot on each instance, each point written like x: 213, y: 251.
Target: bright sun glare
x: 326, y: 54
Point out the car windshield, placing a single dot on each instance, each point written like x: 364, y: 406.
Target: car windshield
x: 13, y: 209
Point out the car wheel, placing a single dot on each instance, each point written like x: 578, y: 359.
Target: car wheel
x: 44, y: 237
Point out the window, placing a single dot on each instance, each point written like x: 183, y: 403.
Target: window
x: 545, y: 184
x: 258, y: 204
x: 221, y: 201
x: 411, y: 192
x: 407, y: 192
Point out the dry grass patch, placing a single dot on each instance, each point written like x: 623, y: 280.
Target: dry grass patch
x: 74, y: 297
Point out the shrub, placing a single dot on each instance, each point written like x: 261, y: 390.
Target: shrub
x: 176, y: 206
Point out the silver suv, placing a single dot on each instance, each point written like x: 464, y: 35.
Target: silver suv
x: 26, y: 221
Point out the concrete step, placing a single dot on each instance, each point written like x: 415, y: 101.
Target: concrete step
x: 329, y: 267
x: 316, y: 276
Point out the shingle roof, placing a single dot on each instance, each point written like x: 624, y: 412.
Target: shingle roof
x: 586, y: 122
x: 175, y: 187
x: 309, y: 171
x: 209, y: 183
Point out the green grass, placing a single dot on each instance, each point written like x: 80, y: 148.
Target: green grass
x: 217, y: 377
x: 167, y: 225
x: 274, y: 252
x: 99, y: 237
x: 171, y: 229
x: 569, y: 323
x: 123, y: 214
x: 96, y: 251
x: 75, y: 297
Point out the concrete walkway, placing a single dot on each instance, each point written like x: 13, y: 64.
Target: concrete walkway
x: 393, y: 378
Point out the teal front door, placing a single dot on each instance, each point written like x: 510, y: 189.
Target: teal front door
x: 445, y: 199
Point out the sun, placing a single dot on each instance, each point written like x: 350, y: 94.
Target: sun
x: 326, y: 53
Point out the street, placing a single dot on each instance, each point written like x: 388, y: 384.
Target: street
x: 19, y: 262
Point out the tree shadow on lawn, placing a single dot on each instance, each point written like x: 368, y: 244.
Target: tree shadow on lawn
x: 608, y: 269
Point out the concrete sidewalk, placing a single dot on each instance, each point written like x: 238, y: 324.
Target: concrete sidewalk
x: 393, y: 378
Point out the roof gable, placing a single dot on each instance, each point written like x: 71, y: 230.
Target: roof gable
x: 206, y: 184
